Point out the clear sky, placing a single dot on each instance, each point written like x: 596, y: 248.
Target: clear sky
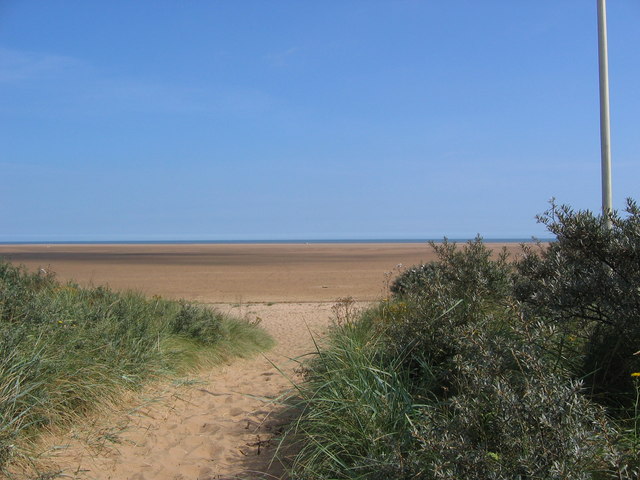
x: 295, y: 119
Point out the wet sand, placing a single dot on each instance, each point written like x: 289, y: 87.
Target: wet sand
x: 232, y: 273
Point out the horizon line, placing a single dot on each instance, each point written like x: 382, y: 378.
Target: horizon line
x: 277, y: 241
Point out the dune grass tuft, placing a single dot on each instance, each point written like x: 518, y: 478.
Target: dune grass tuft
x: 64, y: 348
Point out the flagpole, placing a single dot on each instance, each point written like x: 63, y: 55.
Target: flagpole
x: 605, y: 134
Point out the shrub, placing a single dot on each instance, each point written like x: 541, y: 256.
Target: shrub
x: 588, y: 283
x: 465, y: 285
x: 509, y: 415
x: 471, y: 385
x: 489, y: 406
x: 468, y: 274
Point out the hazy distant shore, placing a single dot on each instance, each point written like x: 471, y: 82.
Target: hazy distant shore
x: 260, y: 242
x: 232, y: 272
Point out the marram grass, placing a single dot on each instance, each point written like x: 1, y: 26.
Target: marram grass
x: 64, y: 348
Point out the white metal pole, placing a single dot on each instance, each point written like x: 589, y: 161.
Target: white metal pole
x: 605, y: 134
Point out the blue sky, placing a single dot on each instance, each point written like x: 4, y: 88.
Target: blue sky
x: 234, y: 119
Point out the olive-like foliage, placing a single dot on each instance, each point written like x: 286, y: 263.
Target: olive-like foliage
x: 588, y: 283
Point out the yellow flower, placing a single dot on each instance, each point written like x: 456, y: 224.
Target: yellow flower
x: 635, y: 374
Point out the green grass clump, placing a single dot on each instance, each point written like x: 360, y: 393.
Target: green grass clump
x: 356, y: 411
x: 65, y: 349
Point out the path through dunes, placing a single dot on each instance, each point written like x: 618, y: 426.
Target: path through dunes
x: 215, y: 428
x: 219, y: 428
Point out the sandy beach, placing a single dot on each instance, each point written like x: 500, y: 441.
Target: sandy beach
x: 226, y: 423
x: 232, y: 273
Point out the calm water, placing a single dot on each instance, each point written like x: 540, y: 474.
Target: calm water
x: 249, y: 242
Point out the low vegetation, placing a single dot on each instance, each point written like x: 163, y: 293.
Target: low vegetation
x: 64, y: 348
x: 483, y: 367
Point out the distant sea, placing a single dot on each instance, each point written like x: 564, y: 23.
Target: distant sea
x: 249, y: 242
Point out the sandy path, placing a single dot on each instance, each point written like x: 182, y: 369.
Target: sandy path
x: 221, y: 428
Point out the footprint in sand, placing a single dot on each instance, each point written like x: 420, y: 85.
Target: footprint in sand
x: 234, y: 412
x: 209, y: 428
